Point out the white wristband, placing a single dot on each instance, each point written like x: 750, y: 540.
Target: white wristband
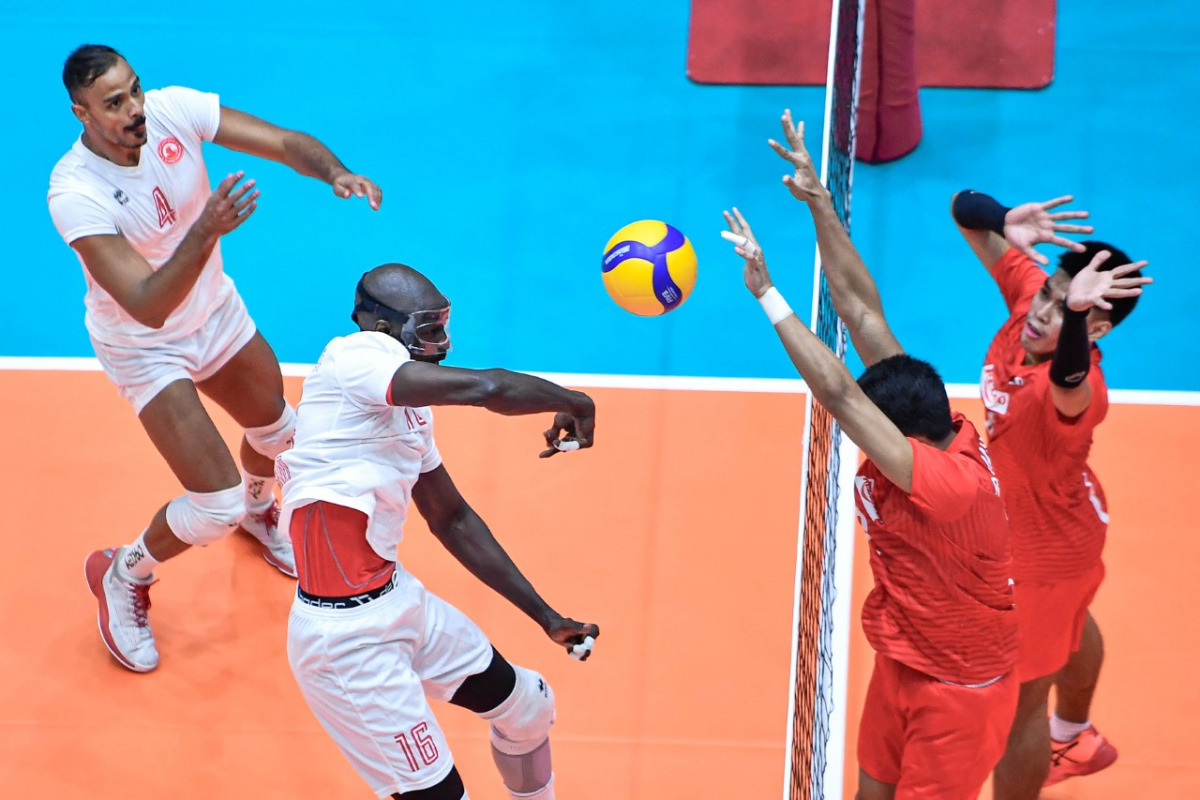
x: 776, y: 307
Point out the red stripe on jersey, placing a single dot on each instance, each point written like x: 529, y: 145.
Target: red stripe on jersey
x: 1056, y: 506
x: 333, y: 558
x: 942, y: 602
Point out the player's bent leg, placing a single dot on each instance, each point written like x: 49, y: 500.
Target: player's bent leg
x: 120, y: 578
x: 1026, y: 761
x: 520, y: 728
x: 1077, y: 748
x: 248, y: 384
x: 352, y: 668
x: 1075, y: 685
x: 520, y: 706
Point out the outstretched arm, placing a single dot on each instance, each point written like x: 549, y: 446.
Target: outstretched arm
x: 417, y: 384
x: 1070, y: 391
x: 467, y: 537
x: 851, y: 288
x: 991, y: 228
x: 305, y: 154
x: 830, y: 382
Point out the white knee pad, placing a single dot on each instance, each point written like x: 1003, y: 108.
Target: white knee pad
x: 201, y: 518
x: 271, y: 440
x: 521, y: 724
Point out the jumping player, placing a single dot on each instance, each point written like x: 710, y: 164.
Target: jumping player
x: 367, y: 643
x: 1045, y: 394
x: 132, y: 198
x: 940, y: 616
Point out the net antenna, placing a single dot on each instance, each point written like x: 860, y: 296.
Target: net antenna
x: 816, y: 735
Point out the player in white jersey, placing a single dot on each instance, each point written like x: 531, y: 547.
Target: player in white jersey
x: 132, y: 199
x: 367, y: 643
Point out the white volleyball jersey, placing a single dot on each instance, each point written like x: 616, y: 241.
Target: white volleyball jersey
x: 152, y: 205
x: 352, y: 447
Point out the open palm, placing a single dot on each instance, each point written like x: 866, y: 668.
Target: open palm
x: 1030, y: 224
x: 1093, y: 287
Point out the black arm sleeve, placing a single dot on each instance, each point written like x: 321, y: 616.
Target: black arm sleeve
x: 1073, y: 355
x: 978, y: 211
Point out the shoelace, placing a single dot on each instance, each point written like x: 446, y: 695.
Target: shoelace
x: 1059, y: 754
x: 139, y: 593
x: 270, y: 517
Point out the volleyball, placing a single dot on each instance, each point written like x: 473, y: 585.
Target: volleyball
x: 649, y: 268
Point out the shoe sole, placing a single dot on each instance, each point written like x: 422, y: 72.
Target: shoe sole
x: 102, y: 616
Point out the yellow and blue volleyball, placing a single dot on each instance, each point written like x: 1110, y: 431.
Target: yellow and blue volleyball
x: 649, y: 268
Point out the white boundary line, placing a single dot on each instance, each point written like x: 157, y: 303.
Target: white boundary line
x: 1143, y: 397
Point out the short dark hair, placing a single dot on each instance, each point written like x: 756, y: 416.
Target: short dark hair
x: 85, y: 64
x: 911, y: 394
x: 1071, y: 263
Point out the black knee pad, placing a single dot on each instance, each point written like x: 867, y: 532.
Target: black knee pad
x: 449, y: 788
x: 485, y: 690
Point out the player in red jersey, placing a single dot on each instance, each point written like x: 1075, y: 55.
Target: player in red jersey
x: 1045, y: 394
x: 940, y: 616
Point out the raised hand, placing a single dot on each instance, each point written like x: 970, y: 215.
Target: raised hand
x: 1092, y: 287
x: 757, y: 278
x: 1032, y: 223
x: 578, y: 637
x: 804, y: 183
x: 569, y: 432
x: 348, y: 184
x: 227, y: 208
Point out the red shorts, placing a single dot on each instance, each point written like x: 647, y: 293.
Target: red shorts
x: 932, y: 739
x: 1050, y: 619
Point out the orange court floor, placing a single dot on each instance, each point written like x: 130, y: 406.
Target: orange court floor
x: 676, y: 534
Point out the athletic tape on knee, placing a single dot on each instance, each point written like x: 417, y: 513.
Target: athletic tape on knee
x: 271, y: 440
x: 522, y: 722
x: 200, y: 518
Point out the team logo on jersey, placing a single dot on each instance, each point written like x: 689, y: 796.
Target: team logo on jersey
x: 166, y: 214
x: 120, y: 196
x: 866, y: 496
x: 170, y: 150
x: 993, y: 398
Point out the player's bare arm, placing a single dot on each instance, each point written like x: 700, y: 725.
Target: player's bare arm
x: 851, y: 288
x: 991, y: 228
x: 830, y: 382
x: 150, y: 295
x: 300, y: 151
x: 419, y: 384
x: 1069, y: 389
x: 462, y: 532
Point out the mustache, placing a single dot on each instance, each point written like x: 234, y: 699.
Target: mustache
x: 137, y: 122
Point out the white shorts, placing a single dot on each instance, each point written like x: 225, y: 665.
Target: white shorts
x: 140, y: 373
x: 366, y: 673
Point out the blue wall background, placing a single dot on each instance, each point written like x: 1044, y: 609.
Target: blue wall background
x: 512, y: 141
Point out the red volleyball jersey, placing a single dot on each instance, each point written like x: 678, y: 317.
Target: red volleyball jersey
x: 1055, y: 504
x: 943, y: 601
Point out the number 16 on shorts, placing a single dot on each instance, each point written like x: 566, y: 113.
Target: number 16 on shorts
x: 419, y: 747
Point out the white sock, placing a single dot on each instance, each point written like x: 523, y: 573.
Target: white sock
x: 135, y: 562
x: 1063, y: 731
x: 260, y: 492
